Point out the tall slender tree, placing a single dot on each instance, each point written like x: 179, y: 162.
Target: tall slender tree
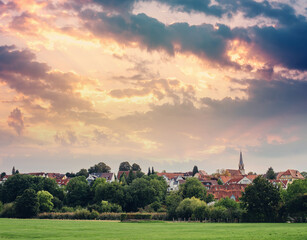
x: 13, y: 171
x: 148, y: 172
x: 195, y: 170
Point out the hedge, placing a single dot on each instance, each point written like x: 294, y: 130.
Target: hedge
x: 85, y: 214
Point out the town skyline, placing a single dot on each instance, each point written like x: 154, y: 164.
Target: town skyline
x: 145, y: 169
x: 169, y: 84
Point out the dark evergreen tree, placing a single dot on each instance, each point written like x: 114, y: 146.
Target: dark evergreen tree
x: 3, y: 174
x: 27, y: 204
x: 17, y: 171
x: 123, y: 179
x: 131, y: 177
x: 219, y: 182
x: 152, y: 170
x: 149, y: 173
x: 195, y: 170
x: 270, y: 174
x: 13, y: 171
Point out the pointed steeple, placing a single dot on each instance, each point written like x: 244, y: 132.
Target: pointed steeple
x: 241, y: 164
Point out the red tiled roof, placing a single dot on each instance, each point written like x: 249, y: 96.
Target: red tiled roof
x: 294, y: 174
x: 282, y: 182
x: 252, y: 177
x: 234, y: 172
x: 170, y: 175
x: 119, y: 174
x: 222, y: 191
x: 62, y: 182
x: 203, y: 173
x: 235, y: 180
x: 225, y: 179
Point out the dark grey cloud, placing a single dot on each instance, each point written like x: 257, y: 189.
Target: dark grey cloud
x: 285, y: 45
x: 283, y: 13
x: 20, y: 71
x: 15, y: 120
x: 204, y: 40
x: 282, y: 45
x: 265, y: 99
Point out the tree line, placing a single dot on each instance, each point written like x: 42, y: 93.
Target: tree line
x: 26, y: 196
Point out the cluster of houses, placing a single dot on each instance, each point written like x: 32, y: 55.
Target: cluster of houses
x: 230, y: 183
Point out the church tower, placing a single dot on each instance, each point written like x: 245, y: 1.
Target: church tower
x: 241, y: 164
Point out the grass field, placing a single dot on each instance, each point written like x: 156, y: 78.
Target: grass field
x: 70, y: 229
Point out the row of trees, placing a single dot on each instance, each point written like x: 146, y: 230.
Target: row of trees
x: 25, y: 196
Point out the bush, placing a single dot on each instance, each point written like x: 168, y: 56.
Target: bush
x: 67, y: 209
x: 187, y: 207
x: 135, y: 216
x: 82, y: 214
x: 94, y: 214
x: 8, y: 211
x: 109, y: 216
x: 1, y: 206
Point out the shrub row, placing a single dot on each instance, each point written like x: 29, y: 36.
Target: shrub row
x: 80, y: 214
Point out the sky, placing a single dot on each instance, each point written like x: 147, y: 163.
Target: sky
x: 169, y: 84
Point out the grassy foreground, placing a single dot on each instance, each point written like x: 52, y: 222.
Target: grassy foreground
x: 73, y: 229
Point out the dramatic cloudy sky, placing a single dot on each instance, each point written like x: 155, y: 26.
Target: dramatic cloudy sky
x: 165, y: 83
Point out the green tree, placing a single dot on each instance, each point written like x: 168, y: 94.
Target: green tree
x: 139, y: 174
x: 15, y: 186
x: 111, y: 192
x: 193, y: 188
x: 186, y: 208
x: 227, y: 203
x: 124, y: 166
x: 136, y: 167
x: 99, y: 168
x: 13, y: 171
x: 304, y: 174
x: 219, y: 182
x: 82, y: 172
x: 45, y: 201
x: 27, y: 205
x: 2, y: 174
x: 152, y: 170
x: 149, y: 173
x: 296, y: 199
x: 262, y: 201
x: 195, y: 170
x: 172, y: 202
x: 131, y: 177
x: 139, y: 193
x: 123, y: 179
x: 78, y: 192
x: 270, y: 174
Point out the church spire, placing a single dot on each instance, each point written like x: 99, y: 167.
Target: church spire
x: 241, y: 164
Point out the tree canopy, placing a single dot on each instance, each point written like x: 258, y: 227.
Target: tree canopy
x: 99, y: 168
x: 262, y: 201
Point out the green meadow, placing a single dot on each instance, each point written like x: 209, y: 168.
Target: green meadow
x: 75, y: 229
